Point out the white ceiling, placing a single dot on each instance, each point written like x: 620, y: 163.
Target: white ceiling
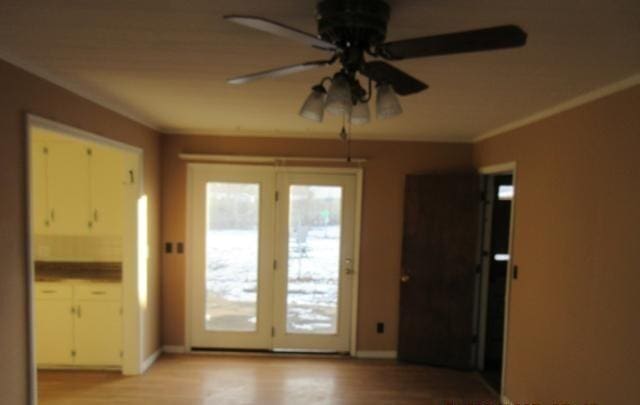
x: 166, y: 61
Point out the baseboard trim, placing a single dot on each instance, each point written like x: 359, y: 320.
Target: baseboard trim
x: 174, y: 349
x: 377, y: 354
x: 150, y: 360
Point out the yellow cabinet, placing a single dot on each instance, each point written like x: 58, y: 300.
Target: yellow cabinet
x: 68, y: 179
x: 54, y: 313
x: 77, y: 187
x: 106, y: 197
x: 98, y: 333
x: 40, y: 200
x: 78, y: 324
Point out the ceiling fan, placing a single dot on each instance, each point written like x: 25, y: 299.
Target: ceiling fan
x: 353, y: 31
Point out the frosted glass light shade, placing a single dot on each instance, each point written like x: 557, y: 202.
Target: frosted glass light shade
x: 387, y: 103
x: 339, y: 97
x: 313, y: 107
x: 360, y: 113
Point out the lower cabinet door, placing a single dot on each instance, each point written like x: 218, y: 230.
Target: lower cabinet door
x: 98, y: 333
x: 54, y: 332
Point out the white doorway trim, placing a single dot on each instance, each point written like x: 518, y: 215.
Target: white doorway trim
x: 506, y: 168
x: 133, y: 360
x: 357, y: 171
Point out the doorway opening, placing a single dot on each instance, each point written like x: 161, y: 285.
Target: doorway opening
x: 88, y: 244
x: 272, y: 257
x: 495, y: 274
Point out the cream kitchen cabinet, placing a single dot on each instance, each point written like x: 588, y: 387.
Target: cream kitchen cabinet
x: 54, y: 316
x: 77, y: 187
x: 106, y: 191
x: 68, y: 178
x: 40, y: 200
x: 78, y: 324
x: 98, y: 325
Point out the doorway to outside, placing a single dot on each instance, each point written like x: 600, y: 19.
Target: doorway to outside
x: 272, y: 257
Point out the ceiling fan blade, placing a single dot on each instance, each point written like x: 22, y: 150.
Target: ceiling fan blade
x: 282, y: 71
x: 402, y: 83
x: 281, y: 30
x: 506, y: 36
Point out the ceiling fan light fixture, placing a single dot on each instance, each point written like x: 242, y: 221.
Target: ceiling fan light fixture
x: 313, y: 107
x: 339, y: 98
x: 360, y: 113
x: 387, y: 103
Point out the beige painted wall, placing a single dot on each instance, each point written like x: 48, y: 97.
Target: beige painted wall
x: 20, y: 93
x: 388, y: 163
x: 573, y: 328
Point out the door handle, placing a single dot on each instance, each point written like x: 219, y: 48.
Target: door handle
x: 348, y: 267
x: 406, y: 276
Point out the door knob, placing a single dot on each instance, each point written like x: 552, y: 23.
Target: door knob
x: 405, y: 277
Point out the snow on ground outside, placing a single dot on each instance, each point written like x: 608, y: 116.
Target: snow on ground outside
x: 312, y: 285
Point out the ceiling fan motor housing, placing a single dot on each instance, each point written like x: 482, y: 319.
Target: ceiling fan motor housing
x: 353, y: 23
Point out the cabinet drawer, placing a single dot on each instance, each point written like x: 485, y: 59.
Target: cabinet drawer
x: 49, y: 290
x: 99, y: 292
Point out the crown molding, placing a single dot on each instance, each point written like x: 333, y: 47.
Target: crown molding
x: 567, y: 105
x: 309, y: 135
x: 76, y: 89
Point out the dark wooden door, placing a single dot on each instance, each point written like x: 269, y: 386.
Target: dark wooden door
x: 438, y: 269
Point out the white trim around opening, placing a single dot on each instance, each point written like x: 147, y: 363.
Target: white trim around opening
x: 358, y: 172
x: 133, y: 361
x: 506, y: 168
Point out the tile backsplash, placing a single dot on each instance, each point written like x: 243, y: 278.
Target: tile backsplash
x: 60, y: 248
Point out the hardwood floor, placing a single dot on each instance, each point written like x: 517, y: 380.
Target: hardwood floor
x: 229, y: 379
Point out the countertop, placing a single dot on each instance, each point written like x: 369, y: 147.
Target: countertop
x: 78, y: 271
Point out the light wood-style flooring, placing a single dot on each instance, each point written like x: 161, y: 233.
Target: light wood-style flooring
x: 247, y: 379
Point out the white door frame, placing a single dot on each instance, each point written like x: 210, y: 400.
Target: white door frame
x: 357, y: 171
x: 506, y: 168
x: 132, y: 277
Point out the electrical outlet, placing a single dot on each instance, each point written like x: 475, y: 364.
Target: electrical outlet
x: 380, y: 327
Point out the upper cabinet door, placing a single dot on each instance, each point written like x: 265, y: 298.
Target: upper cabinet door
x: 68, y: 180
x: 40, y: 196
x: 106, y: 179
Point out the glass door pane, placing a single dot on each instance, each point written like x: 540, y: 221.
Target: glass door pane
x: 313, y: 259
x: 231, y: 276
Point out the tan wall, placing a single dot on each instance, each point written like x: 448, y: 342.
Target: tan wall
x: 21, y: 93
x: 388, y: 162
x: 573, y: 329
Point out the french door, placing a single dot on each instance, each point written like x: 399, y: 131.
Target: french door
x: 272, y: 258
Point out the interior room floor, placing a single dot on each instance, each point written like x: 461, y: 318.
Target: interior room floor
x: 229, y: 379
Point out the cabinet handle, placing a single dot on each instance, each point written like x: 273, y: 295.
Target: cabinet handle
x: 79, y: 311
x: 95, y: 215
x: 52, y: 215
x: 98, y: 292
x: 48, y: 291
